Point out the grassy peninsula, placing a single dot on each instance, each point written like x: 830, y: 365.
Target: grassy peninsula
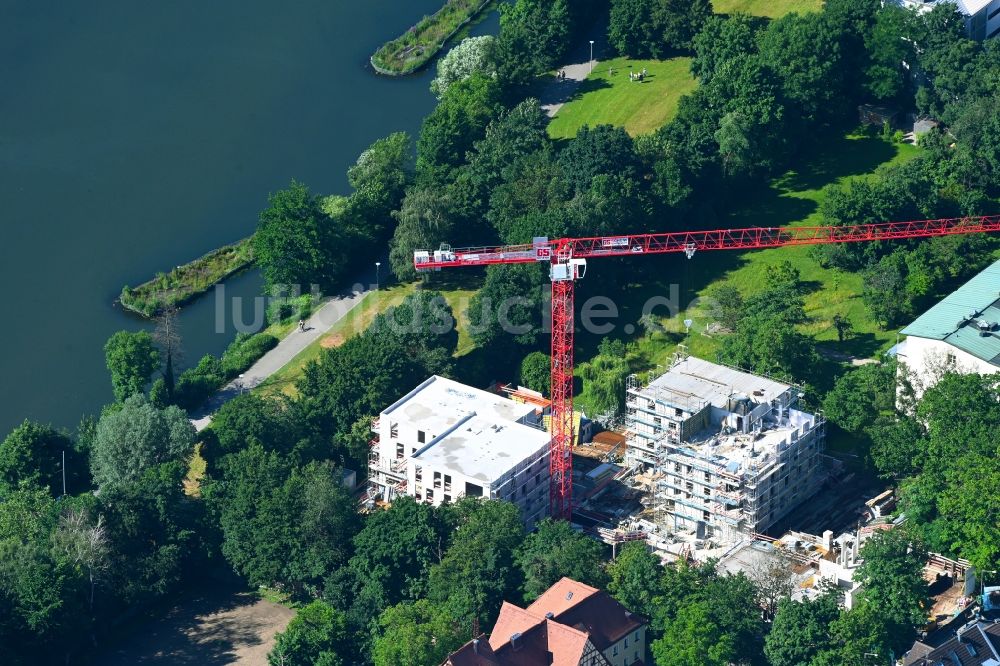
x: 415, y: 47
x: 188, y: 281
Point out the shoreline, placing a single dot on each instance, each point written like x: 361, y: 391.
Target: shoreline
x: 433, y: 49
x: 188, y: 281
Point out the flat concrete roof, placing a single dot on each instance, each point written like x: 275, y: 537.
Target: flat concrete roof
x: 696, y: 380
x: 482, y: 448
x: 439, y: 403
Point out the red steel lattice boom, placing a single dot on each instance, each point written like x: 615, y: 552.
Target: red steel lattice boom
x: 567, y: 259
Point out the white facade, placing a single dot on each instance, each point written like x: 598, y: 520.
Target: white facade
x: 926, y: 361
x: 960, y: 333
x: 444, y: 440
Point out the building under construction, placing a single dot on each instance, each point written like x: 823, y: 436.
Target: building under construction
x: 724, y: 452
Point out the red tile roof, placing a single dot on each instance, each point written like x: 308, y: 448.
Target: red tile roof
x: 512, y: 620
x: 553, y: 630
x: 560, y: 597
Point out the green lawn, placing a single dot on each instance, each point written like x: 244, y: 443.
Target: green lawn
x: 639, y: 107
x: 457, y: 292
x: 791, y: 199
x: 769, y: 8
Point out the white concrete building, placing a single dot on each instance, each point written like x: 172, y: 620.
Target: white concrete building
x: 982, y: 17
x: 729, y: 452
x: 959, y: 334
x: 444, y: 440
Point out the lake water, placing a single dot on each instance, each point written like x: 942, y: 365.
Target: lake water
x: 137, y: 136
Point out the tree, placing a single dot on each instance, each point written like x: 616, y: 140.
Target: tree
x: 536, y: 372
x: 634, y: 577
x: 891, y: 573
x: 457, y: 122
x: 860, y: 636
x: 82, y: 541
x: 725, y: 303
x: 631, y: 29
x: 249, y: 417
x: 804, y: 52
x: 771, y: 575
x: 395, y: 550
x: 507, y: 308
x: 604, y: 377
x: 692, y: 638
x: 426, y: 219
x: 735, y: 148
x: 153, y: 533
x: 801, y: 629
x: 604, y: 149
x: 283, y: 524
x: 415, y: 633
x: 33, y: 454
x: 296, y: 243
x: 723, y: 39
x: 889, y: 47
x: 884, y: 291
x: 534, y: 36
x: 473, y: 55
x: 860, y: 395
x: 555, y: 550
x: 167, y: 336
x: 770, y: 344
x: 897, y: 445
x: 681, y: 20
x: 316, y: 636
x: 43, y: 601
x: 478, y: 570
x: 361, y: 376
x: 131, y: 359
x: 509, y: 140
x: 136, y: 437
x: 379, y: 178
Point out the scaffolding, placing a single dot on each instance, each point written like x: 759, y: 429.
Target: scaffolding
x: 704, y: 476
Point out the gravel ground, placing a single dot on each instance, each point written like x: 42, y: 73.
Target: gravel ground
x: 212, y: 628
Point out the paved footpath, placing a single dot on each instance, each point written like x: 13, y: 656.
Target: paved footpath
x: 559, y: 92
x: 321, y: 321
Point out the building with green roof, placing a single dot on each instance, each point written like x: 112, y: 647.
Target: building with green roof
x: 959, y: 334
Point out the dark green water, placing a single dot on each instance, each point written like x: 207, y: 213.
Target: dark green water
x: 137, y: 136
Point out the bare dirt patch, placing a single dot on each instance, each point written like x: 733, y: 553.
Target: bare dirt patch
x: 334, y: 340
x: 211, y: 628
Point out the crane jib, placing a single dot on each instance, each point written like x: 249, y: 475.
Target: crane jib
x: 568, y: 256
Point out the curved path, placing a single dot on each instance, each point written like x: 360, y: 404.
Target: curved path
x: 332, y: 311
x: 557, y: 92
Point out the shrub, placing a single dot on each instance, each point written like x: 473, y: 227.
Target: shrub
x: 244, y: 351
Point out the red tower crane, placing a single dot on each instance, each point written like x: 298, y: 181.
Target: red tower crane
x: 567, y: 259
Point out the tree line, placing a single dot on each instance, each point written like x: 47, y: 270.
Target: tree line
x: 271, y: 505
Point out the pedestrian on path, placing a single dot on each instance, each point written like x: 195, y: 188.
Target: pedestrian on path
x: 302, y: 324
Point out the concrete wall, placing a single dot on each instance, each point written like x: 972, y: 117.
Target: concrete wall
x: 526, y: 485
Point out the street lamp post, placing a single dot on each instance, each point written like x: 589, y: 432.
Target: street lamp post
x: 591, y: 56
x: 377, y: 264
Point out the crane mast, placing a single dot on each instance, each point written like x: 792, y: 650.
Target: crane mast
x: 567, y: 259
